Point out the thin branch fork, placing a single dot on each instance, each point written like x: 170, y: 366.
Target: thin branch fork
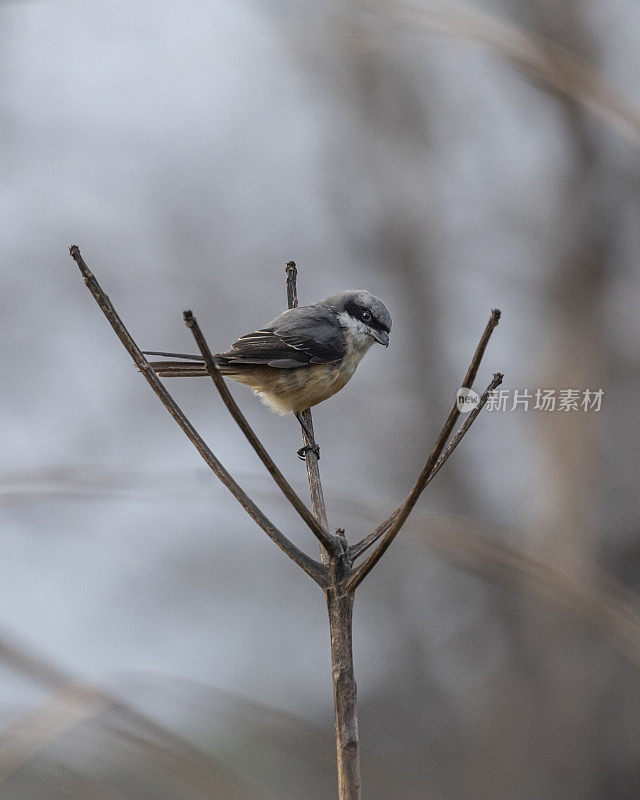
x: 462, y: 430
x: 316, y: 526
x: 335, y: 574
x: 434, y: 464
x: 391, y: 526
x: 313, y: 568
x: 359, y: 548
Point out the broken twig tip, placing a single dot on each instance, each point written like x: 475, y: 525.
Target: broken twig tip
x: 74, y: 252
x: 496, y: 314
x: 188, y: 317
x: 497, y: 378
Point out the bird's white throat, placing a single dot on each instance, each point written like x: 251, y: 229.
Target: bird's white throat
x: 359, y: 340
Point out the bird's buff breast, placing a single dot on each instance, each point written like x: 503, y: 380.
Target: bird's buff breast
x: 285, y: 390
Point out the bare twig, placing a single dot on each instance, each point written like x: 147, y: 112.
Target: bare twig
x: 314, y: 569
x: 292, y: 288
x: 474, y: 366
x: 424, y: 478
x: 326, y: 539
x: 313, y: 471
x: 497, y: 380
x: 433, y: 464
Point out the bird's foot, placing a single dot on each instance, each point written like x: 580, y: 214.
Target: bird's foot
x: 312, y: 445
x: 309, y: 448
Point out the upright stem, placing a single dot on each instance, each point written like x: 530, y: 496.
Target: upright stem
x: 340, y: 606
x: 315, y: 486
x: 313, y: 471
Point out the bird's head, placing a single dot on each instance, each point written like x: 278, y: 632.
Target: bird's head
x: 363, y: 314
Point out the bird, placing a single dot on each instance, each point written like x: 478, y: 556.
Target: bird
x: 299, y: 359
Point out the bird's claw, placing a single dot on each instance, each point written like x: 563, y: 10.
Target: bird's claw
x: 313, y: 448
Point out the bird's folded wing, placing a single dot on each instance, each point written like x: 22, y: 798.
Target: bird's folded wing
x: 299, y: 337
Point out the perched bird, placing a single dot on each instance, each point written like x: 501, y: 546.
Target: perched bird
x: 304, y: 356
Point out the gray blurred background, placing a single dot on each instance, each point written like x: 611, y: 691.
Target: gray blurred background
x: 450, y: 158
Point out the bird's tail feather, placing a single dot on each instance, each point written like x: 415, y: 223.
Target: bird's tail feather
x: 177, y: 369
x: 171, y: 355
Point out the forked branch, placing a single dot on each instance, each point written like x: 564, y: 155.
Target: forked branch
x: 497, y: 380
x: 336, y: 576
x: 313, y: 568
x: 326, y: 539
x: 391, y: 526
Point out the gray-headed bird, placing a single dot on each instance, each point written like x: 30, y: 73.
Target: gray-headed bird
x: 304, y: 356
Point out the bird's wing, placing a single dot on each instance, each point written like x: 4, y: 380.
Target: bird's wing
x: 297, y: 338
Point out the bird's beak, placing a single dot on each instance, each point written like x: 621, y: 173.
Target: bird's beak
x: 379, y: 336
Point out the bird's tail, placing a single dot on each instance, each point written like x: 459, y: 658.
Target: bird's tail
x: 178, y: 369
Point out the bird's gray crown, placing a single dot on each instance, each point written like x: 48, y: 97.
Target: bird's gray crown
x: 355, y: 302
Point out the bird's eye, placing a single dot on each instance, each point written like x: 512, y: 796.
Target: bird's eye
x: 366, y: 316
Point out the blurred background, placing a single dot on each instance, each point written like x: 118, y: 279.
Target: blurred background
x: 449, y: 157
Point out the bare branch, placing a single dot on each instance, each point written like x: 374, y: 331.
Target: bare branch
x: 314, y: 569
x: 470, y: 377
x: 497, y: 380
x: 434, y: 464
x: 324, y: 536
x: 292, y: 288
x: 313, y: 471
x: 359, y: 548
x: 356, y: 550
